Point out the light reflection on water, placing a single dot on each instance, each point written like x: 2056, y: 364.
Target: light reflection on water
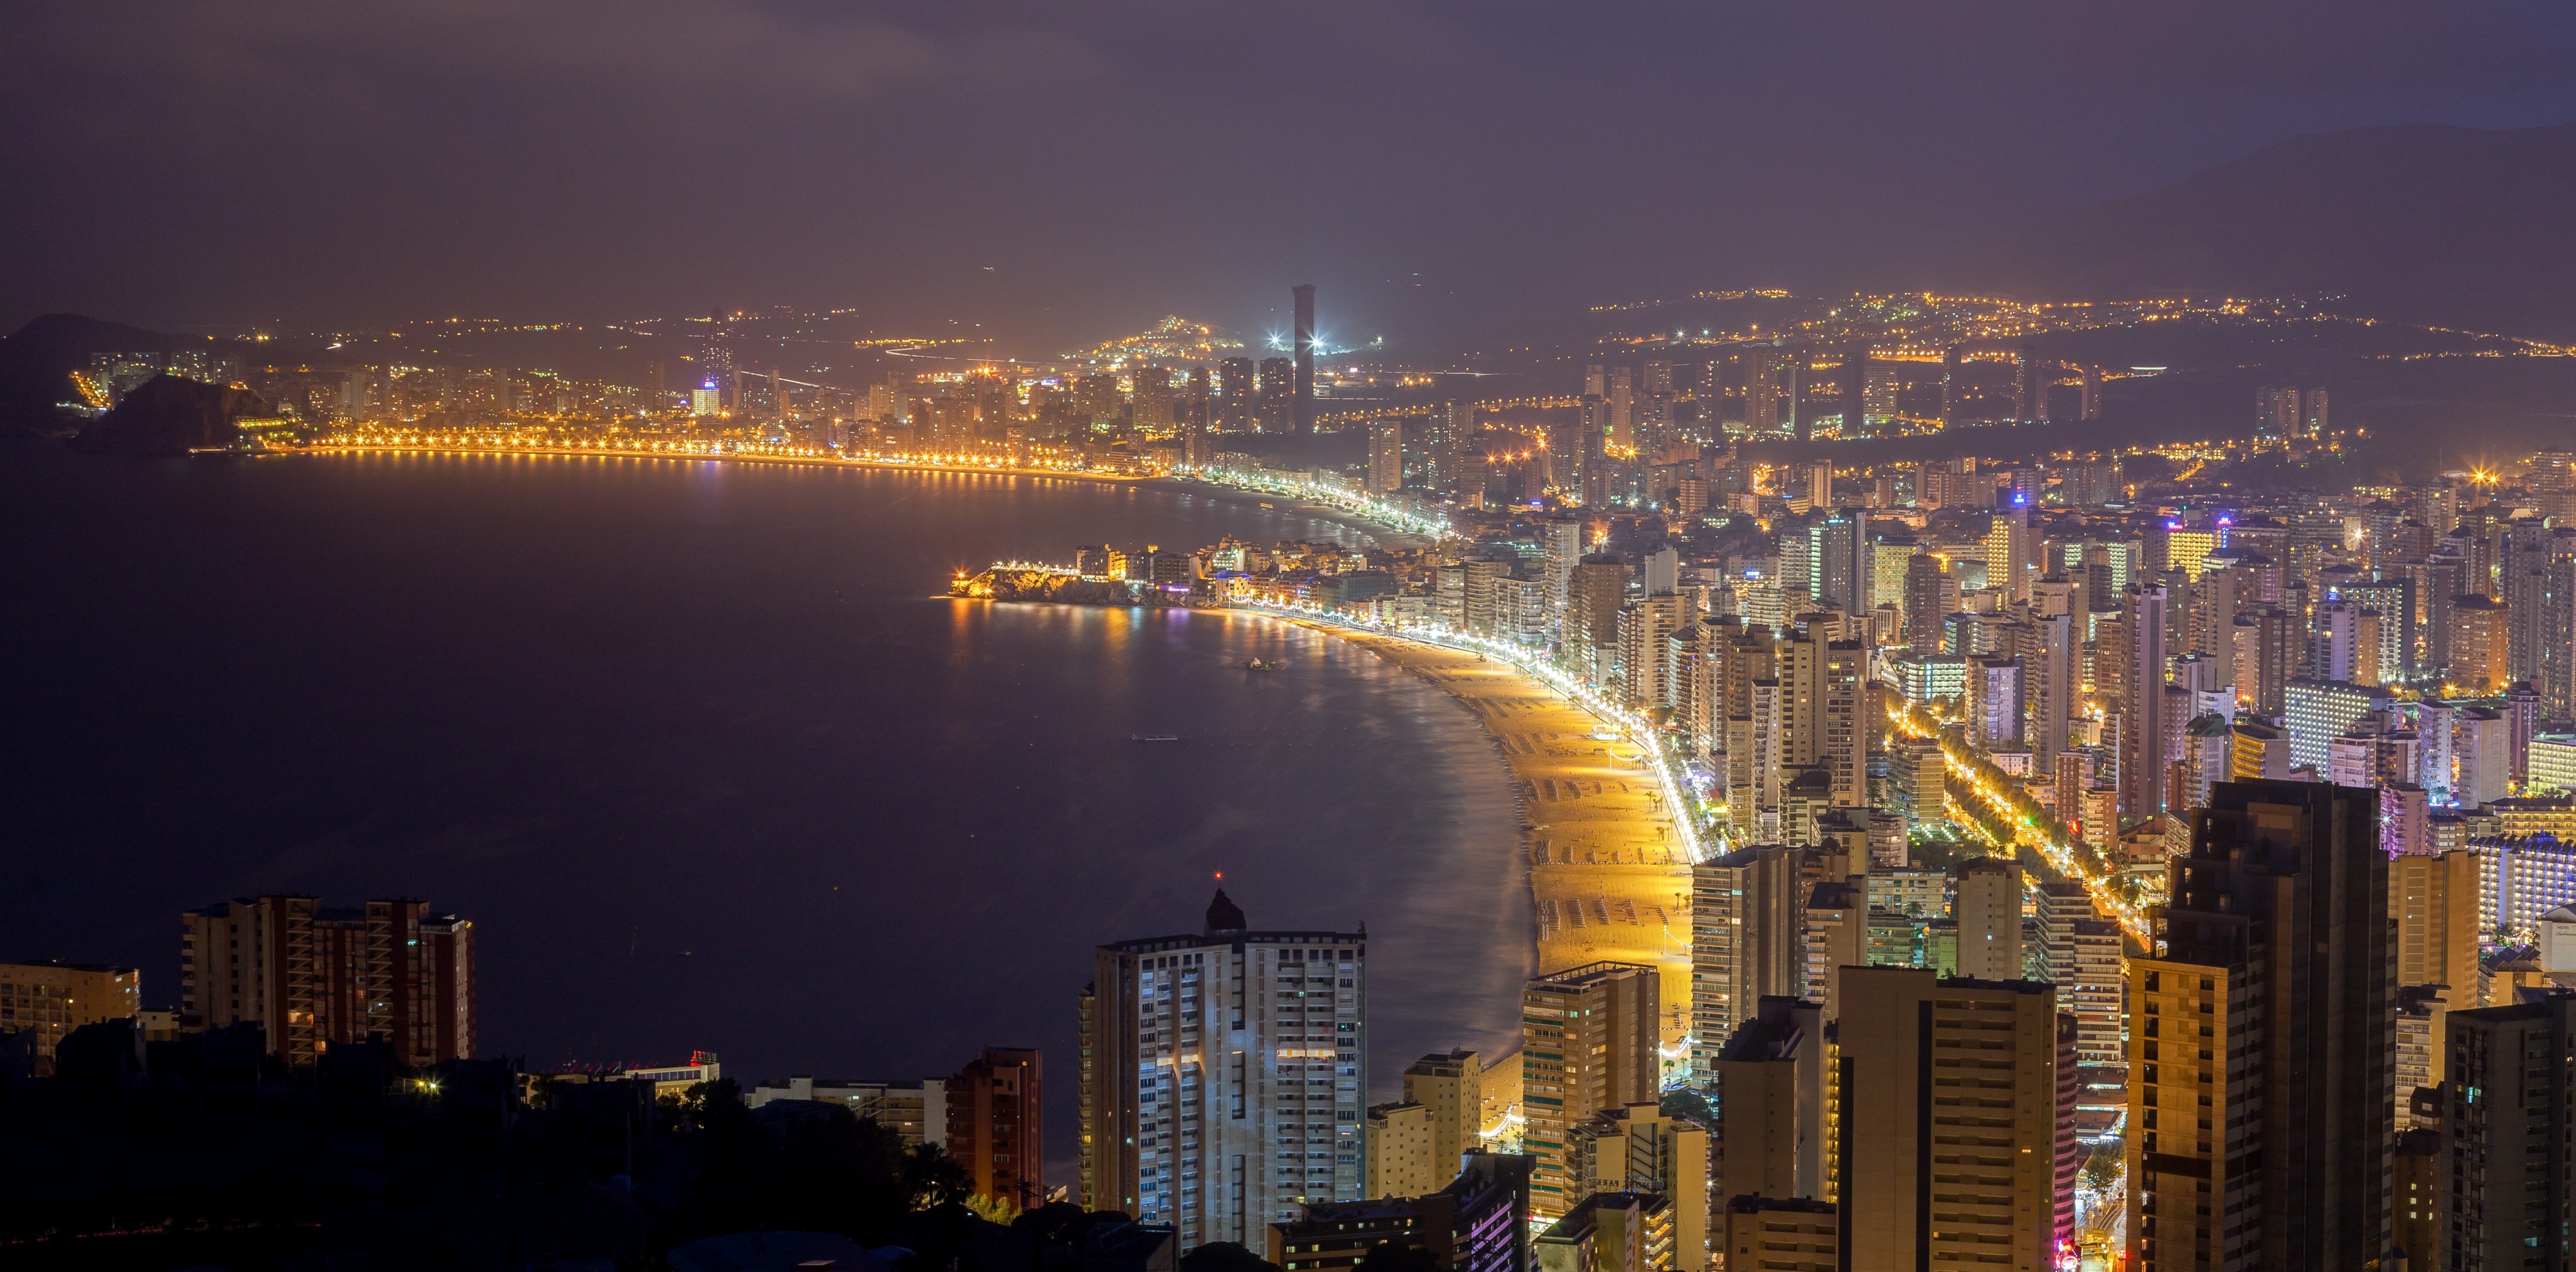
x: 707, y: 762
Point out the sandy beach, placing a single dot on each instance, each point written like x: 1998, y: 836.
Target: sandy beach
x: 1606, y: 868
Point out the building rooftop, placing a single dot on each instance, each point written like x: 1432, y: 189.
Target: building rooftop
x: 1587, y: 975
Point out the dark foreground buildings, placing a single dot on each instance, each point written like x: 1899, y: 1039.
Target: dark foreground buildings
x: 210, y: 1148
x: 314, y: 977
x: 2262, y: 1086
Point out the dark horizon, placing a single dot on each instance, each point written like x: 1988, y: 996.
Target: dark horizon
x: 1062, y: 176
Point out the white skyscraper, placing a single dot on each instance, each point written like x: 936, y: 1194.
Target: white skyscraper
x: 1663, y: 572
x: 1987, y: 907
x: 1563, y: 541
x: 1386, y: 457
x: 1222, y: 1077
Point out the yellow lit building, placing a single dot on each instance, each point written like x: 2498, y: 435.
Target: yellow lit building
x: 56, y: 998
x: 1609, y: 1232
x: 2434, y: 899
x: 1641, y: 1150
x: 1788, y: 1234
x: 1448, y: 1088
x: 1950, y: 1120
x: 1589, y: 1041
x: 2258, y: 751
x: 2188, y: 550
x: 1399, y: 1151
x: 2478, y: 643
x: 2553, y: 814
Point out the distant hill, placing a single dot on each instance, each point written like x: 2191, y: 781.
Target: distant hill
x: 37, y: 360
x: 170, y: 416
x: 2457, y: 226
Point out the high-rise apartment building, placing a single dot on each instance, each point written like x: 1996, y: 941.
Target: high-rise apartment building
x: 2079, y: 953
x: 1456, y: 440
x: 1400, y: 1162
x: 1802, y: 664
x: 2433, y: 902
x: 1816, y: 484
x: 1762, y: 365
x: 1641, y: 1149
x: 996, y: 1117
x: 1150, y: 389
x: 2027, y: 383
x: 2545, y: 614
x: 1609, y: 1232
x: 1222, y: 1075
x: 1843, y: 720
x: 2508, y: 1122
x: 2446, y: 575
x: 1645, y: 629
x: 1448, y: 1087
x: 2481, y: 643
x: 2320, y: 711
x: 1836, y: 919
x: 1755, y: 781
x: 1987, y: 907
x: 2050, y: 657
x: 314, y: 977
x: 1599, y: 587
x: 1778, y: 1235
x: 1198, y: 408
x: 1277, y: 400
x: 1746, y: 942
x: 1235, y: 391
x: 1386, y: 457
x: 1931, y: 594
x: 1995, y: 702
x: 1562, y: 542
x: 2142, y: 769
x: 1771, y: 1093
x: 1478, y: 1223
x: 1619, y: 428
x: 1948, y: 1121
x: 1589, y: 1042
x: 2261, y: 1065
x: 1843, y: 580
x: 1302, y: 409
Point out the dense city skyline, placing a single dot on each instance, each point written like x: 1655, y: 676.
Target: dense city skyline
x: 1152, y: 638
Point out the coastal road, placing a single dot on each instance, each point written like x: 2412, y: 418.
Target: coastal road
x: 1607, y: 870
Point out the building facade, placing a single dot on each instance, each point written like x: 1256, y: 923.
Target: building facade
x: 53, y: 999
x: 1222, y: 1077
x: 314, y: 976
x: 1939, y: 1080
x: 995, y: 1113
x: 2261, y: 1049
x: 1589, y: 1042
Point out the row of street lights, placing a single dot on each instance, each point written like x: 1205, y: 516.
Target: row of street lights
x: 1649, y: 739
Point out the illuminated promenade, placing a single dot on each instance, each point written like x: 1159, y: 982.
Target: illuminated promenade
x: 750, y: 454
x: 1609, y: 868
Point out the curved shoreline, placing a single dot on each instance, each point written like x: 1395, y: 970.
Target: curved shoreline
x: 1609, y: 878
x: 1163, y: 483
x: 727, y: 457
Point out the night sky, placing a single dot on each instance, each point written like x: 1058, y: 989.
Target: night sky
x: 1064, y: 171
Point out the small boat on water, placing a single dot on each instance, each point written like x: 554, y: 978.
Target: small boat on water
x: 1259, y: 664
x: 1153, y: 737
